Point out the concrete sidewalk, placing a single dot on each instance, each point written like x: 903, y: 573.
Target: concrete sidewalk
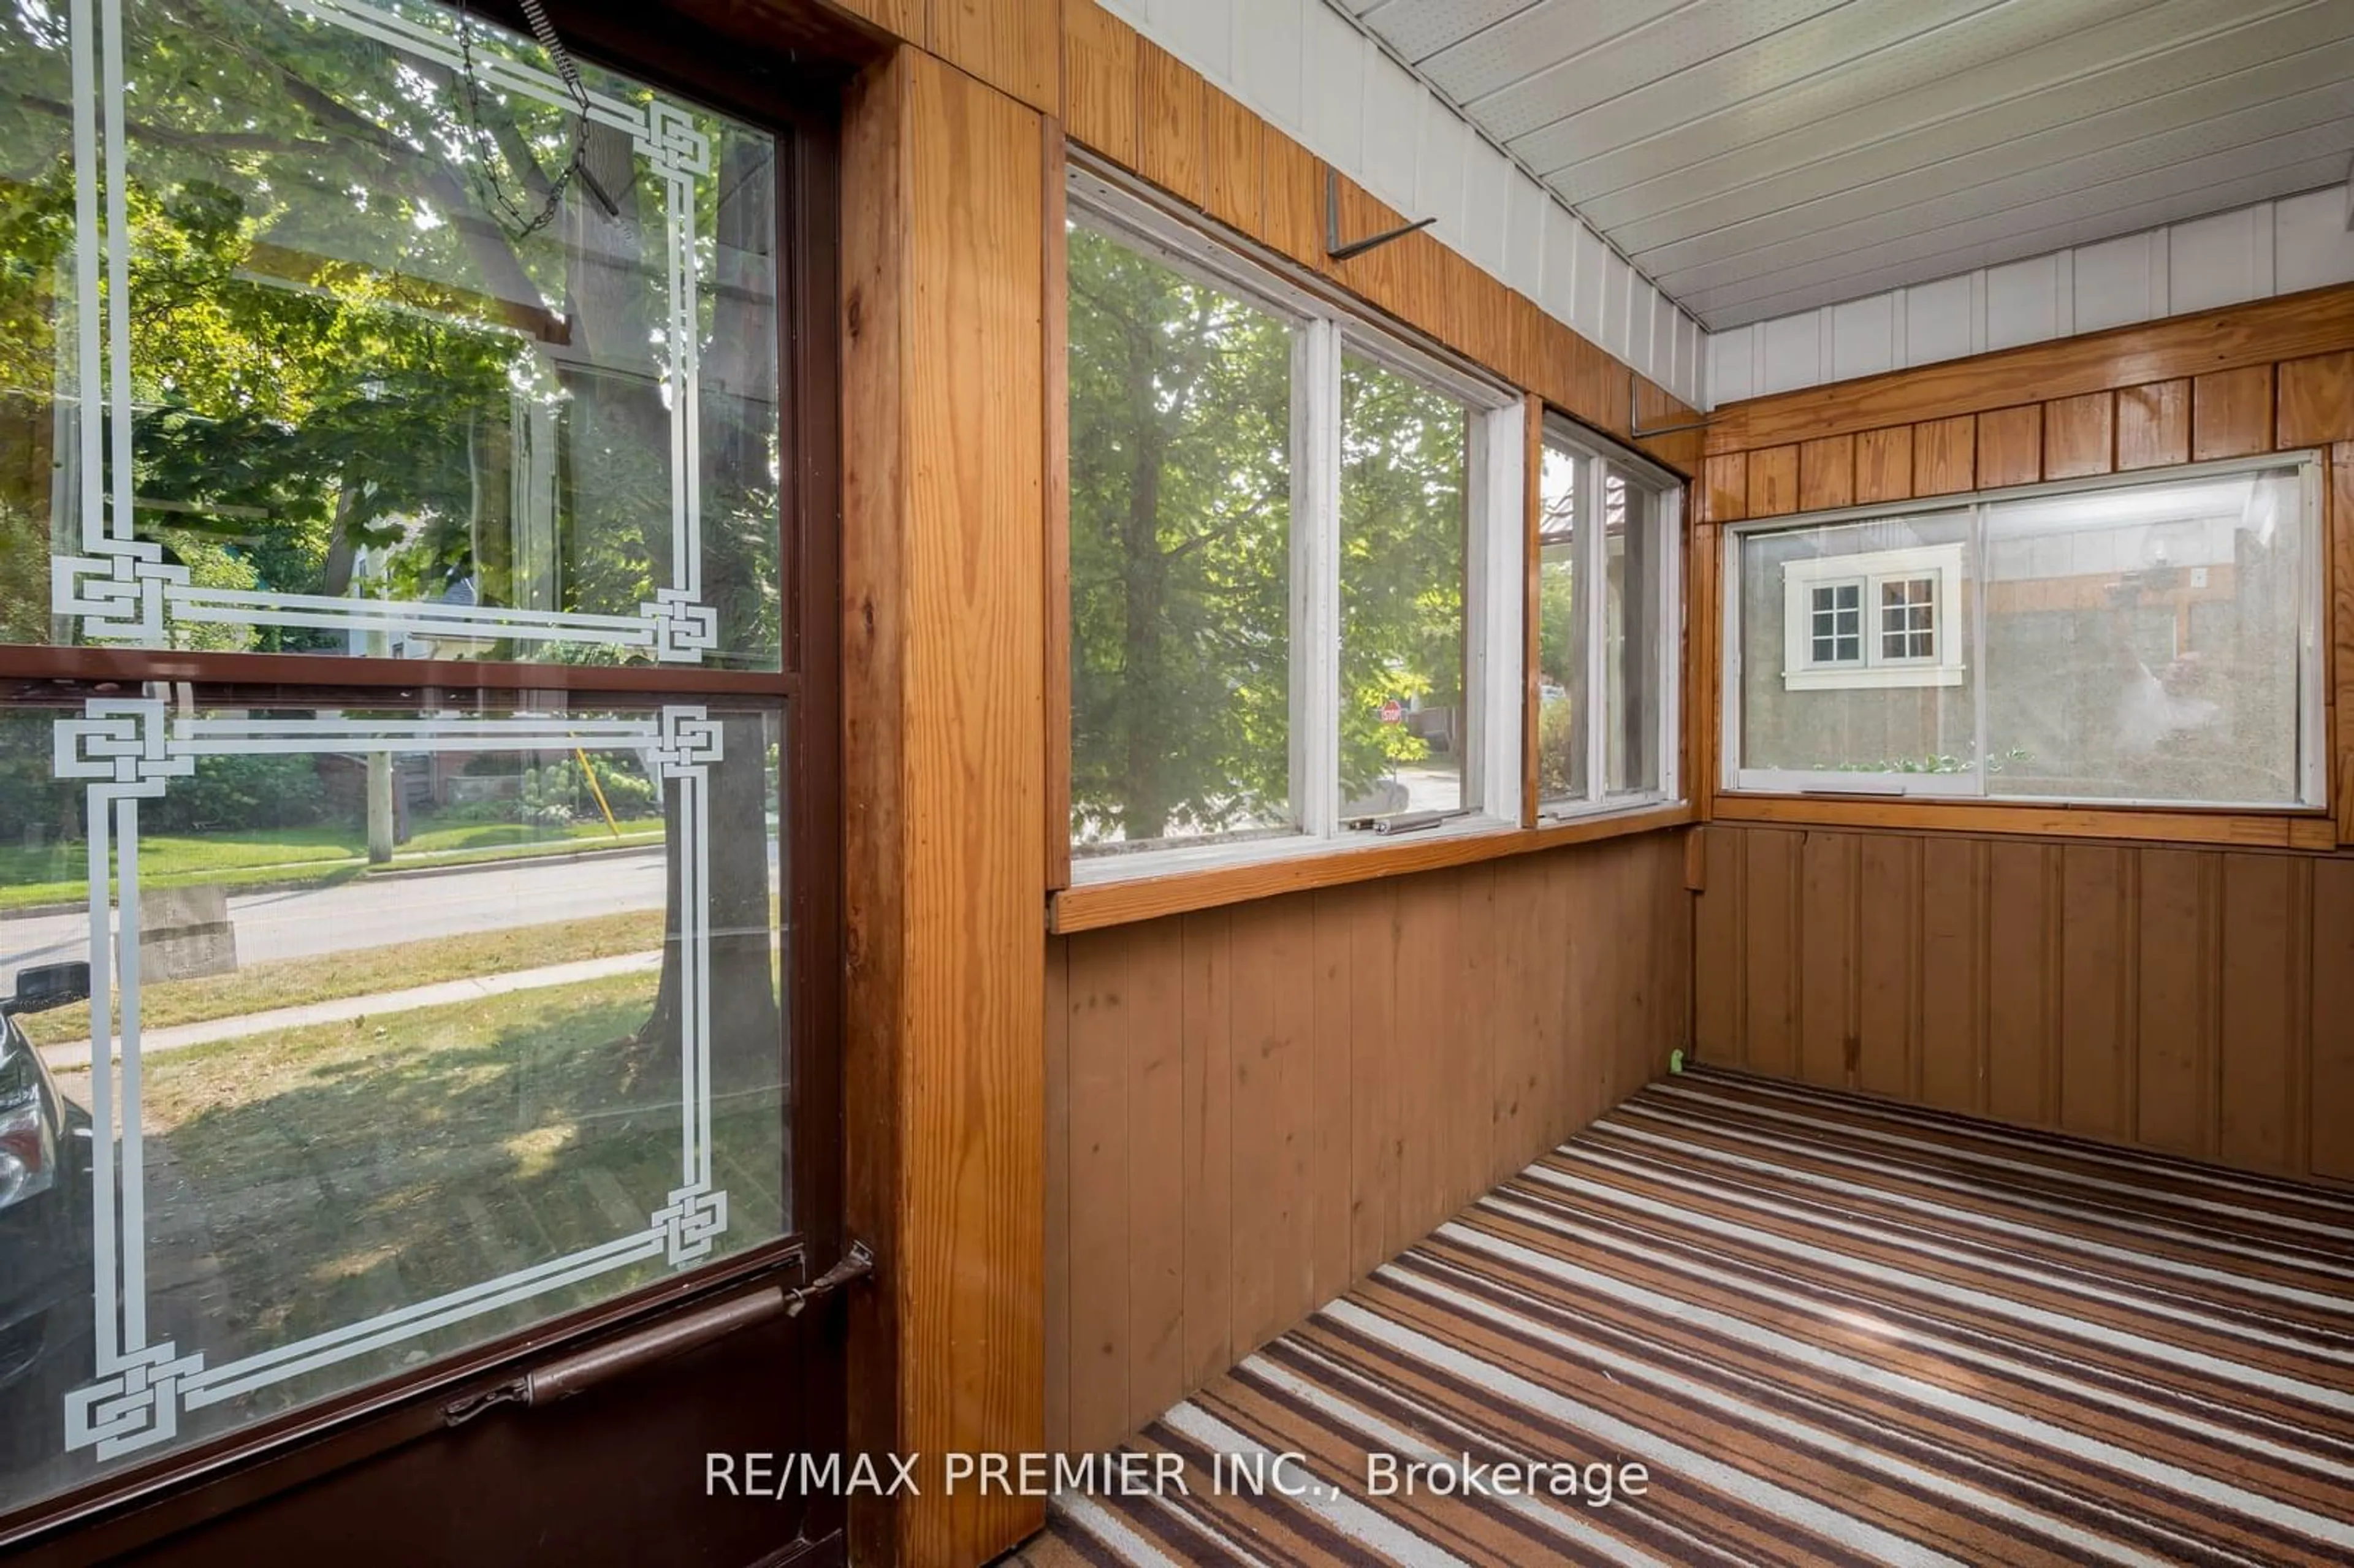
x: 75, y: 1055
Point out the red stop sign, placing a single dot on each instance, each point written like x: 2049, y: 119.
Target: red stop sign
x: 1392, y: 711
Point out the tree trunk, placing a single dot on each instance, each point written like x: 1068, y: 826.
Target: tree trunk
x: 738, y: 418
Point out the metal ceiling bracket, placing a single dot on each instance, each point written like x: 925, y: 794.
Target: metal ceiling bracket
x: 1635, y: 429
x: 1337, y: 251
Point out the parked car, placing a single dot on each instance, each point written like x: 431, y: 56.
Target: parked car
x: 44, y: 1214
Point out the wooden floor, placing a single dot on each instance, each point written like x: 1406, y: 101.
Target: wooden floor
x: 1830, y: 1331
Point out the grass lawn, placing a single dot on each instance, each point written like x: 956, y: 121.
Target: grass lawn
x: 58, y: 874
x: 326, y: 1174
x: 363, y: 971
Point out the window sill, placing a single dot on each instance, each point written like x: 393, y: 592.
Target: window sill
x: 1088, y: 905
x: 2285, y: 829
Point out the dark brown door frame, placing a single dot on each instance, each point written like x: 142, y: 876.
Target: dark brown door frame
x: 372, y: 1461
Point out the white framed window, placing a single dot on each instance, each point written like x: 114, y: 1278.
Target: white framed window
x: 1610, y: 627
x: 1296, y: 559
x: 2146, y: 642
x: 1880, y: 618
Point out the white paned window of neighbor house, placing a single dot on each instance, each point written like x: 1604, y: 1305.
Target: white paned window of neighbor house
x: 1609, y: 625
x: 1296, y: 559
x: 2151, y: 641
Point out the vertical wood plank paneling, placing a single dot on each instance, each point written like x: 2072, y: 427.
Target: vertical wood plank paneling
x: 1291, y: 197
x: 1481, y: 945
x: 1954, y: 878
x: 1772, y: 481
x: 2171, y: 1089
x: 1169, y: 137
x: 2021, y: 936
x: 2095, y: 972
x: 1153, y: 1045
x: 2192, y: 999
x: 1769, y: 957
x: 2231, y: 413
x: 1826, y: 474
x: 1015, y: 46
x: 2080, y: 436
x: 1230, y: 161
x: 1209, y: 1105
x: 1724, y: 489
x: 1717, y: 949
x: 1527, y: 965
x: 2317, y: 400
x: 1944, y: 455
x: 1884, y: 465
x: 1889, y: 937
x: 876, y: 279
x: 1597, y: 978
x: 1635, y: 949
x: 1272, y: 943
x: 943, y: 548
x: 2154, y: 425
x: 1559, y: 1102
x: 1055, y: 656
x: 900, y: 18
x: 1825, y: 938
x: 1123, y: 996
x: 1100, y: 78
x: 1058, y: 1196
x: 2010, y: 447
x: 2330, y: 1105
x: 2264, y: 937
x: 1422, y: 1123
x: 1374, y: 1092
x: 1333, y: 985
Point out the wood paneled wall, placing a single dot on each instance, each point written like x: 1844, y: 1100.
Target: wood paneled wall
x: 1127, y: 100
x: 2275, y: 375
x: 2195, y: 1000
x: 2179, y: 980
x: 1014, y: 46
x: 1250, y: 1107
x: 943, y: 566
x: 952, y: 149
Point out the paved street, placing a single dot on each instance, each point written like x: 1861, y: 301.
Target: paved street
x: 377, y: 911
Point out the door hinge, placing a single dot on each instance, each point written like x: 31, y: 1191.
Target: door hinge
x: 856, y: 1263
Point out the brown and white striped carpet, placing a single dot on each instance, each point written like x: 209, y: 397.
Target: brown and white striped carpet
x: 1831, y: 1331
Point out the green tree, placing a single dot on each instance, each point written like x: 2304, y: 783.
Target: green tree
x: 1181, y: 407
x: 1181, y: 541
x: 349, y: 336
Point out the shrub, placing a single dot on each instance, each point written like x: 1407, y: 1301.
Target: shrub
x: 265, y: 792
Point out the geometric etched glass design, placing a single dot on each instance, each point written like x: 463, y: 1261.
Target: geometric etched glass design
x: 320, y: 338
x: 291, y: 1202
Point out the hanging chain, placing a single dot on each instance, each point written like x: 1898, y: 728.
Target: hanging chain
x: 522, y: 223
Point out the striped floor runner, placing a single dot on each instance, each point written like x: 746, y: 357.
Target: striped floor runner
x: 1830, y: 1331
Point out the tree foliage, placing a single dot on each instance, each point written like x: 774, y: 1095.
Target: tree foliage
x: 356, y: 366
x: 1181, y: 439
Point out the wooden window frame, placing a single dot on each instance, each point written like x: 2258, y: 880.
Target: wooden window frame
x: 1329, y: 325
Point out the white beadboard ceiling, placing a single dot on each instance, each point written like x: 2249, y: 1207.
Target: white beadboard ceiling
x: 1757, y: 158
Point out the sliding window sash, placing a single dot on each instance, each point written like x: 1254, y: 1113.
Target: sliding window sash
x: 1315, y: 579
x: 1493, y: 603
x: 1660, y: 660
